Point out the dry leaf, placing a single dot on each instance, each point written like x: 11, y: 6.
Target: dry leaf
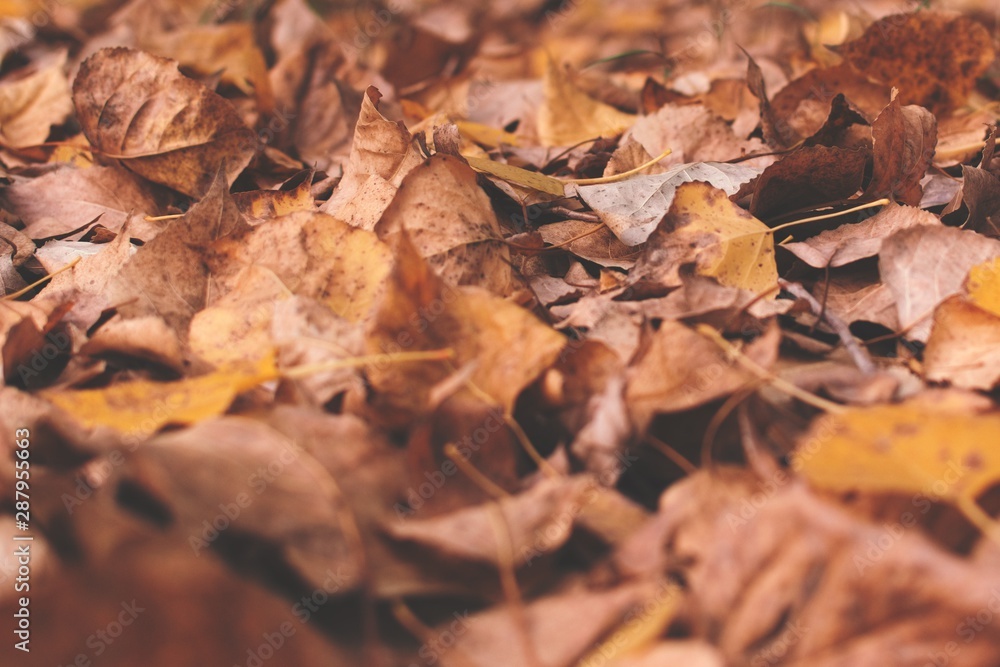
x: 138, y: 109
x: 633, y: 207
x: 849, y: 243
x: 723, y: 240
x: 924, y: 265
x: 568, y: 115
x: 932, y: 57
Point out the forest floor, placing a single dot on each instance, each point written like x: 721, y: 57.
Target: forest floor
x: 597, y: 333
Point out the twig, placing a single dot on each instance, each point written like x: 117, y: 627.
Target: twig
x: 858, y: 354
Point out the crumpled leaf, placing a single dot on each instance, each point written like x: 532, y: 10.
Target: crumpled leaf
x: 693, y: 133
x: 633, y: 207
x: 765, y: 561
x: 682, y: 369
x: 381, y: 156
x: 419, y: 311
x: 904, y: 140
x: 451, y: 222
x: 139, y: 109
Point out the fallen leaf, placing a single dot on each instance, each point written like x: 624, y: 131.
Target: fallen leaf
x: 963, y: 348
x: 806, y: 178
x: 418, y: 311
x: 724, y: 241
x: 682, y: 369
x: 381, y: 155
x: 31, y: 104
x: 904, y: 140
x: 451, y: 222
x: 932, y: 444
x: 141, y: 407
x: 632, y: 208
x: 140, y: 110
x: 924, y: 265
x: 569, y: 116
x: 919, y: 54
x: 983, y: 286
x: 68, y: 198
x: 228, y: 48
x: 852, y: 242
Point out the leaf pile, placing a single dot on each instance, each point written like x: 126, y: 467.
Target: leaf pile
x: 547, y: 334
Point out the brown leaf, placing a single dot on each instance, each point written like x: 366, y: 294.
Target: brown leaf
x: 904, y: 140
x: 769, y: 600
x: 981, y: 195
x: 681, y: 369
x: 809, y: 176
x: 924, y: 265
x: 68, y: 197
x: 964, y: 346
x: 419, y: 311
x: 805, y: 104
x: 138, y: 109
x: 693, y: 133
x: 169, y: 276
x: 34, y: 102
x: 451, y: 222
x: 776, y: 133
x: 932, y: 57
x: 849, y: 243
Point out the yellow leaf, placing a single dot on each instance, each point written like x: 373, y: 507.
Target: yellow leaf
x: 486, y: 135
x: 236, y: 329
x: 518, y: 176
x: 142, y: 407
x: 983, y: 285
x: 738, y: 249
x: 935, y: 445
x: 261, y: 205
x: 569, y: 116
